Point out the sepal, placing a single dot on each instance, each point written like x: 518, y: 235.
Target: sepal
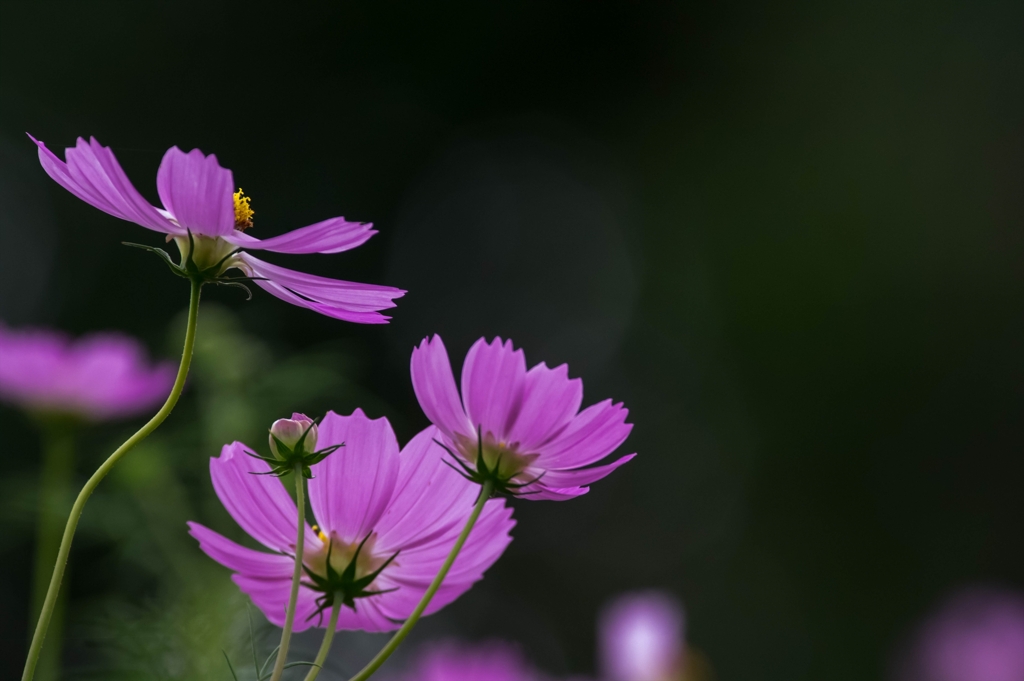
x: 479, y: 472
x: 206, y: 260
x: 343, y: 586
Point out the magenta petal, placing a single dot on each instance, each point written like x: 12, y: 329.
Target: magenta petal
x: 330, y: 236
x: 368, y: 615
x: 271, y: 597
x: 258, y: 503
x: 94, y: 175
x: 489, y: 538
x: 429, y: 497
x: 492, y: 385
x: 434, y: 384
x: 399, y: 604
x: 550, y: 401
x: 239, y: 558
x: 197, y: 191
x: 332, y: 297
x: 594, y: 434
x: 581, y: 476
x: 556, y: 494
x: 352, y: 487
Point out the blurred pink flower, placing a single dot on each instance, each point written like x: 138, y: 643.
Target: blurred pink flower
x: 642, y: 638
x: 536, y: 441
x: 98, y: 377
x: 406, y: 503
x: 200, y: 205
x: 451, y: 661
x: 977, y: 635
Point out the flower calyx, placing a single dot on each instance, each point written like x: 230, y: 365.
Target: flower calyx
x: 293, y: 444
x: 204, y: 259
x: 344, y: 586
x: 494, y: 463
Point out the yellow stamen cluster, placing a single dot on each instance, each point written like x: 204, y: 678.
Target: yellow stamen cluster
x: 243, y: 213
x: 319, y: 533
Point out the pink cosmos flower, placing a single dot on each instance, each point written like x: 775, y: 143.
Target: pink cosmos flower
x: 978, y: 635
x: 450, y: 661
x: 398, y: 513
x: 523, y: 429
x: 98, y: 377
x: 642, y: 638
x: 206, y: 218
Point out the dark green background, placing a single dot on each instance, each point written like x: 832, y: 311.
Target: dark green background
x: 788, y: 237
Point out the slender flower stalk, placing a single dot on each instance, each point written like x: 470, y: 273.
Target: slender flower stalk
x: 293, y: 597
x: 325, y: 646
x: 50, y: 602
x: 54, y: 489
x: 485, y: 493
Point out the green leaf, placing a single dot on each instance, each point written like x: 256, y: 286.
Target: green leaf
x: 230, y: 668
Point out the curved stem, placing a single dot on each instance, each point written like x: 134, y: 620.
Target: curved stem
x: 385, y: 652
x: 46, y: 613
x: 54, y: 490
x: 325, y: 647
x: 300, y: 540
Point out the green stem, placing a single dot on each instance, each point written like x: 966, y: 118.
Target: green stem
x: 385, y: 652
x: 325, y: 647
x: 50, y: 602
x: 54, y: 489
x: 300, y: 540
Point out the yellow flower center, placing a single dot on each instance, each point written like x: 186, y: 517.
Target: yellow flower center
x: 243, y: 213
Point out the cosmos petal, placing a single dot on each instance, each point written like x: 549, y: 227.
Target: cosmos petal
x: 329, y: 236
x: 592, y: 435
x: 492, y: 385
x: 434, y: 385
x: 550, y: 401
x: 197, y: 191
x: 239, y: 558
x: 351, y: 488
x: 271, y: 597
x: 581, y: 476
x: 93, y: 174
x: 487, y: 541
x: 258, y: 503
x: 429, y: 497
x: 332, y: 297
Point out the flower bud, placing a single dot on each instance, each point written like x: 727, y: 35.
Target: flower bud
x: 288, y: 432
